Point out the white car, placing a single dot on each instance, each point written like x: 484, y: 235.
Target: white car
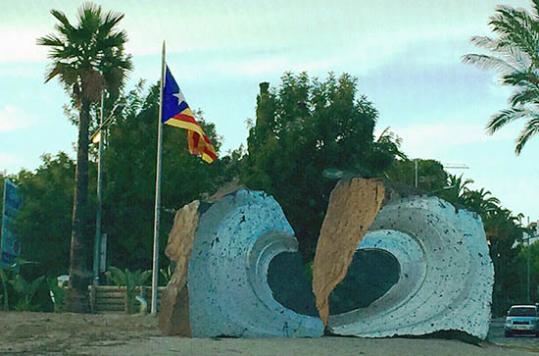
x: 522, y: 319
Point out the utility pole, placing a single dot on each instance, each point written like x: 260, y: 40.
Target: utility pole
x: 416, y: 169
x: 99, y: 136
x: 97, y: 242
x: 528, y: 265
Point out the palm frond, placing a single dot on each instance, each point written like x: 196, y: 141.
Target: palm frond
x: 535, y: 4
x: 525, y: 96
x: 114, y: 40
x: 67, y: 74
x: 117, y: 276
x: 488, y: 62
x: 485, y: 42
x: 60, y: 16
x: 90, y: 17
x: 516, y: 26
x: 521, y: 78
x: 506, y: 116
x: 531, y: 129
x: 110, y: 20
x: 50, y: 40
x: 505, y: 49
x: 514, y: 56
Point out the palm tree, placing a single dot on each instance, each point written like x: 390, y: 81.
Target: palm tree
x: 87, y: 58
x: 457, y: 188
x: 515, y: 54
x: 481, y: 201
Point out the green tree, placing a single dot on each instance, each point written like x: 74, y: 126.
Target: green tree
x: 481, y: 201
x: 431, y: 174
x: 503, y: 229
x: 87, y: 58
x: 515, y: 54
x: 44, y: 221
x: 456, y: 189
x: 2, y: 178
x: 303, y: 128
x: 531, y: 251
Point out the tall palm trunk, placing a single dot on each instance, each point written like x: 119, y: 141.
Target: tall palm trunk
x: 79, y: 273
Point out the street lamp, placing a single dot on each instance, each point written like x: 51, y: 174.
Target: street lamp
x: 99, y: 137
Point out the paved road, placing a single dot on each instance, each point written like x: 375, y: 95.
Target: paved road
x: 496, y: 336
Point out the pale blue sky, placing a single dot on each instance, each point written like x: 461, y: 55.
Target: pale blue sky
x: 406, y: 55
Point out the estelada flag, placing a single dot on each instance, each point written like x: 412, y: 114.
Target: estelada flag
x: 177, y: 113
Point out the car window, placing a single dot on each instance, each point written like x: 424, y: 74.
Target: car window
x: 522, y: 311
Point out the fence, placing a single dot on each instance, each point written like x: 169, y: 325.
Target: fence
x: 114, y: 299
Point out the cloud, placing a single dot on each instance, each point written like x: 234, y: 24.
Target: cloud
x: 439, y: 137
x: 19, y: 44
x: 7, y: 160
x: 12, y: 118
x: 518, y: 196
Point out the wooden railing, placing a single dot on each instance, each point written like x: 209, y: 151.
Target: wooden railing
x: 114, y: 299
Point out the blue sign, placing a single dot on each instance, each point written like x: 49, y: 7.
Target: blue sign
x: 10, y: 247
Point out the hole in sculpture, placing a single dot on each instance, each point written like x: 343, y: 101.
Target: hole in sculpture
x: 290, y: 282
x: 370, y: 275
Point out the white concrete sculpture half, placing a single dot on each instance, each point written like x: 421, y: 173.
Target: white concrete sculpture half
x: 229, y: 295
x: 446, y: 274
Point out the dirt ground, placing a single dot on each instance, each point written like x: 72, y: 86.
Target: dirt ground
x: 119, y: 334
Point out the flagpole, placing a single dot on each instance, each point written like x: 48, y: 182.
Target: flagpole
x: 155, y: 267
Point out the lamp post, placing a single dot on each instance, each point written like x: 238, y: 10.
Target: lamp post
x: 416, y: 172
x: 99, y: 137
x: 530, y: 234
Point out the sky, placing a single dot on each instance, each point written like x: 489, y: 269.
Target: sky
x: 406, y: 55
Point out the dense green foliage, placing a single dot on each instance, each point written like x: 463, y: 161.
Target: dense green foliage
x: 1, y: 192
x: 132, y: 280
x: 521, y: 270
x: 515, y: 54
x: 303, y: 128
x: 44, y: 222
x: 290, y: 160
x: 20, y: 293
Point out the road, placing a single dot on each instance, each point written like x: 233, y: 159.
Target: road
x: 121, y: 334
x: 496, y: 336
